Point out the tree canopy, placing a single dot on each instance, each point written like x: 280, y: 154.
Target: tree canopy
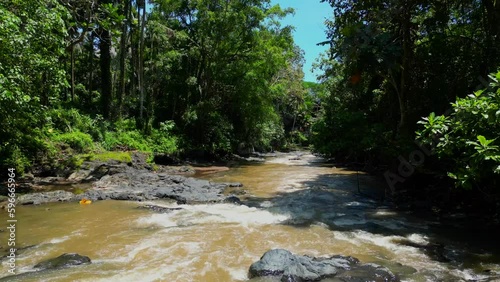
x: 208, y: 76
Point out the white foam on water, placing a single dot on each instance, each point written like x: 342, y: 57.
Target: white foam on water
x: 158, y: 265
x: 385, y: 213
x: 408, y: 255
x: 266, y: 204
x: 238, y: 274
x: 19, y: 270
x: 493, y: 267
x: 469, y: 275
x: 388, y: 242
x: 162, y: 220
x: 418, y: 238
x: 133, y: 250
x: 147, y: 273
x: 59, y: 240
x: 356, y: 204
x: 213, y: 213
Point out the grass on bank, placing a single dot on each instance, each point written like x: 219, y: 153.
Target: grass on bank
x: 124, y: 157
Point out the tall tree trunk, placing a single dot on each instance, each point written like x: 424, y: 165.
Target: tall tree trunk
x: 492, y: 58
x: 64, y: 96
x: 105, y: 63
x: 405, y: 72
x: 141, y: 64
x: 91, y: 69
x: 133, y: 55
x: 44, y: 97
x: 123, y: 55
x: 72, y: 73
x: 150, y: 93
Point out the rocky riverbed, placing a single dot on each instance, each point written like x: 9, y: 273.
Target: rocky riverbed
x: 122, y: 182
x: 135, y: 181
x: 312, y: 222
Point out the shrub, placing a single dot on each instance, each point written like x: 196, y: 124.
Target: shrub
x: 468, y: 137
x: 162, y: 143
x: 78, y: 141
x: 127, y: 137
x: 17, y: 159
x: 129, y: 140
x: 69, y: 120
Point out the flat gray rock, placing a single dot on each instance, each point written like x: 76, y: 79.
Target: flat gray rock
x: 45, y: 197
x: 133, y: 184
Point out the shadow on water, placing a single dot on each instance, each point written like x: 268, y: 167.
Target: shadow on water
x: 353, y: 203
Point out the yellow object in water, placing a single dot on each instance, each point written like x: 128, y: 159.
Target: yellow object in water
x: 85, y: 202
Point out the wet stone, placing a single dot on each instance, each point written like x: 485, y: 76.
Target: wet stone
x: 62, y: 261
x: 159, y: 209
x: 285, y: 266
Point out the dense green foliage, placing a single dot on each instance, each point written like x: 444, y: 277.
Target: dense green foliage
x: 391, y: 62
x: 31, y: 77
x: 227, y: 56
x: 467, y: 138
x: 80, y: 77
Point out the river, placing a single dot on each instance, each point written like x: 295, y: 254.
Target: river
x: 299, y: 204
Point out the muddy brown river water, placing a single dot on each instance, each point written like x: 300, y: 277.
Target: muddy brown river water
x: 301, y: 205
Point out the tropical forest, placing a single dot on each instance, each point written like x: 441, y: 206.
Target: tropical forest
x: 250, y: 140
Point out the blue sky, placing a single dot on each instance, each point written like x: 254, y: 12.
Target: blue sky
x: 309, y: 26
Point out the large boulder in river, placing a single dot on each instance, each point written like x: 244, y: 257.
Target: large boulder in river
x: 62, y: 261
x: 285, y: 266
x: 292, y: 267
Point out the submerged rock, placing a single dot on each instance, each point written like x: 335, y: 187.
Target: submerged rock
x: 367, y: 272
x: 62, y: 261
x: 159, y: 209
x: 234, y: 184
x: 233, y: 200
x: 285, y: 266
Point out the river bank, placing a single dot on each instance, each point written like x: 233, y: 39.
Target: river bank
x: 136, y: 180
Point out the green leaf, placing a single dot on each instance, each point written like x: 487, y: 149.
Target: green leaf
x: 452, y: 175
x: 477, y: 93
x: 484, y: 142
